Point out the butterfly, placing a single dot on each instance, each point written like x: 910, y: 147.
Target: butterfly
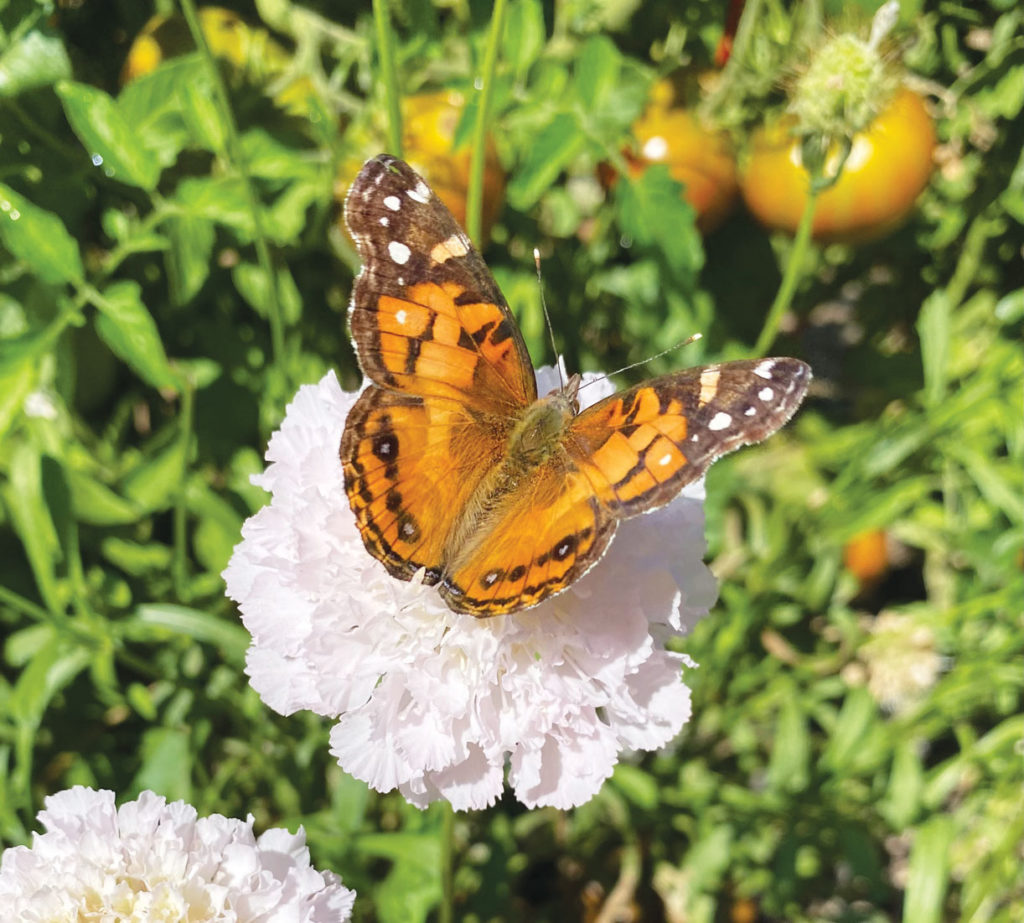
x: 452, y: 463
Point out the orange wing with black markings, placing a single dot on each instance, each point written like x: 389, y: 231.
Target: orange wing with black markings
x: 426, y: 316
x: 640, y: 447
x: 553, y: 531
x: 410, y: 465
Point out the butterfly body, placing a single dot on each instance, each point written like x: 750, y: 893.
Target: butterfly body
x: 452, y: 462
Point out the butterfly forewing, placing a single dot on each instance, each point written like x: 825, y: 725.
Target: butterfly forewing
x: 427, y: 317
x: 640, y: 447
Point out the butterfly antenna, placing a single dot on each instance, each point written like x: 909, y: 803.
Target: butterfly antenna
x: 547, y: 317
x: 690, y: 339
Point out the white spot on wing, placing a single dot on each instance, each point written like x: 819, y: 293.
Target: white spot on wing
x: 764, y: 368
x: 399, y: 252
x: 766, y: 394
x: 401, y: 316
x: 665, y: 459
x: 708, y: 384
x: 392, y: 202
x: 384, y: 221
x: 750, y: 411
x: 419, y: 193
x: 720, y: 420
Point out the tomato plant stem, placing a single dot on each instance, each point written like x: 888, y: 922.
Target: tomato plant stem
x: 478, y: 154
x: 386, y: 54
x: 790, y: 277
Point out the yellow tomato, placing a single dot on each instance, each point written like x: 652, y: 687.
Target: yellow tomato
x: 888, y: 167
x: 251, y: 51
x: 698, y: 156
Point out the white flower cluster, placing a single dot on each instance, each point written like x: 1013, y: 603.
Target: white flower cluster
x: 440, y: 705
x: 160, y: 863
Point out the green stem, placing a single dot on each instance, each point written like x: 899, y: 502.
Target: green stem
x: 386, y: 54
x: 447, y: 909
x: 737, y: 57
x: 790, y: 277
x: 237, y: 158
x: 478, y: 155
x: 179, y: 558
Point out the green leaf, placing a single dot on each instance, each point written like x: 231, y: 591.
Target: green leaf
x: 17, y: 380
x: 152, y: 106
x: 154, y: 484
x: 928, y: 875
x: 550, y: 153
x: 597, y: 72
x: 933, y: 327
x: 153, y: 621
x: 190, y: 255
x: 38, y: 238
x: 37, y: 59
x: 220, y: 199
x: 791, y: 747
x: 858, y: 714
x: 51, y: 669
x: 96, y: 504
x: 652, y: 211
x: 32, y: 522
x: 166, y: 763
x: 638, y: 786
x: 524, y: 36
x: 255, y: 288
x: 129, y: 330
x: 106, y: 134
x: 202, y: 116
x: 906, y: 784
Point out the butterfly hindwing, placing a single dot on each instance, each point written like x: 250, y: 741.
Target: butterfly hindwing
x: 427, y: 317
x: 549, y: 534
x: 641, y: 446
x: 403, y: 499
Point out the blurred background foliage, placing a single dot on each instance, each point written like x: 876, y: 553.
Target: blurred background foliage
x: 173, y: 268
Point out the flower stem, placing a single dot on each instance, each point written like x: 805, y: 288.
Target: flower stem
x: 790, y: 277
x: 179, y: 523
x: 474, y: 195
x: 447, y: 909
x: 388, y: 74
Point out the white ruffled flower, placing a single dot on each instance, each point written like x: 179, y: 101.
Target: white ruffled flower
x: 434, y: 703
x: 160, y: 863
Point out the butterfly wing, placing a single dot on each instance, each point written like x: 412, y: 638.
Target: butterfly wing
x: 640, y: 447
x: 427, y: 316
x: 410, y: 464
x: 553, y: 530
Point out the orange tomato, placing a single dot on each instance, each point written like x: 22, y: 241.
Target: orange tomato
x: 866, y: 556
x: 888, y: 167
x: 429, y: 121
x: 697, y: 155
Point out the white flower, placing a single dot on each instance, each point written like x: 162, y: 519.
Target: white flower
x: 160, y: 863
x: 901, y: 660
x: 434, y: 703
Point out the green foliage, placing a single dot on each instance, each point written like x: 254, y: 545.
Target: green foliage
x: 172, y: 271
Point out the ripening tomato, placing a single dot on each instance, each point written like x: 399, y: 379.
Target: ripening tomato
x: 429, y: 122
x: 699, y: 157
x: 866, y: 555
x: 251, y: 51
x: 888, y: 167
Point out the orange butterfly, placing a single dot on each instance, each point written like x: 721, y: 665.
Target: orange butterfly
x: 454, y: 465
